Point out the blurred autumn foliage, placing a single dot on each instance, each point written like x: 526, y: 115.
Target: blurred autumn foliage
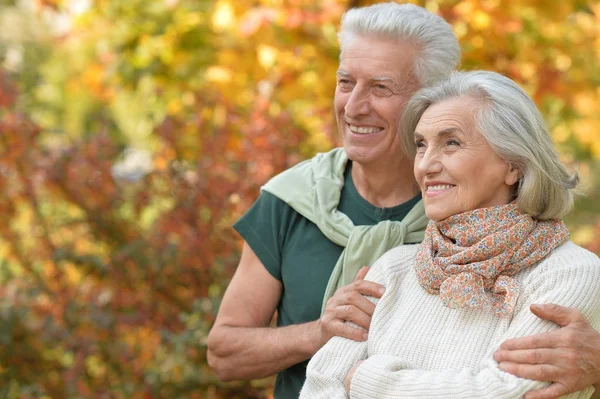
x: 133, y: 133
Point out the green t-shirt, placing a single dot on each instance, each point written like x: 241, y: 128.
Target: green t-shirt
x: 294, y: 251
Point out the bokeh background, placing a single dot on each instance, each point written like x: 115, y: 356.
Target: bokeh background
x: 133, y: 133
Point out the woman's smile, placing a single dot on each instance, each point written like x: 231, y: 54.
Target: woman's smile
x: 433, y: 189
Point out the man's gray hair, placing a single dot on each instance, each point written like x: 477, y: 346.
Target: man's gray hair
x: 515, y: 129
x: 438, y: 51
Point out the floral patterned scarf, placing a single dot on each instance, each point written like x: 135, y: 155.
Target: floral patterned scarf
x: 468, y: 258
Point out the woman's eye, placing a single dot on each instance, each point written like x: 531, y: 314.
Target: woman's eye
x: 419, y: 144
x: 452, y: 142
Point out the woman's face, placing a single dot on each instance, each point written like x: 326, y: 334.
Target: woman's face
x: 455, y: 167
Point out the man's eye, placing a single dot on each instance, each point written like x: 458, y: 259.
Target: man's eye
x: 345, y: 85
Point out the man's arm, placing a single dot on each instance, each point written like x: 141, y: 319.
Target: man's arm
x: 569, y: 357
x: 241, y: 345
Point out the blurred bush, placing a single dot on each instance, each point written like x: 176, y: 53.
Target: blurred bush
x: 133, y: 134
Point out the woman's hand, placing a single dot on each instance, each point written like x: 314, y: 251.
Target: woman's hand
x: 349, y: 376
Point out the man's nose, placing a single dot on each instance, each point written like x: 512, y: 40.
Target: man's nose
x: 358, y: 104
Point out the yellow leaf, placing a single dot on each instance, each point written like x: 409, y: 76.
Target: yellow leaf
x: 562, y: 62
x: 267, y: 55
x: 432, y: 6
x: 464, y: 7
x: 223, y: 17
x: 73, y: 274
x: 561, y: 133
x: 460, y: 29
x: 218, y: 74
x: 477, y: 41
x: 481, y: 20
x: 586, y: 104
x: 95, y: 366
x: 174, y: 106
x: 309, y: 79
x: 586, y: 131
x: 274, y: 109
x: 527, y: 69
x: 219, y: 116
x: 595, y: 147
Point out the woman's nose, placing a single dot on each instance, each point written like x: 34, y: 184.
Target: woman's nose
x: 429, y: 162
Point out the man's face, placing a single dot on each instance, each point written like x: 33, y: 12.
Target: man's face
x: 374, y: 82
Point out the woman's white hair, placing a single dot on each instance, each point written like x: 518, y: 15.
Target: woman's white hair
x: 438, y: 51
x: 515, y: 129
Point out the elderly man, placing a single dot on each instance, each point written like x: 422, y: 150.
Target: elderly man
x: 315, y: 224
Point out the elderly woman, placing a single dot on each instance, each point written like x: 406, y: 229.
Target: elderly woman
x: 494, y: 190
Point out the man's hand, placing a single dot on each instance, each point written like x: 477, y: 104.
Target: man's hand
x: 348, y: 379
x: 569, y: 357
x: 349, y: 304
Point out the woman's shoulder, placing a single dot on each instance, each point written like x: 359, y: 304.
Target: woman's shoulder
x: 570, y: 262
x: 397, y: 259
x: 569, y: 276
x: 571, y: 252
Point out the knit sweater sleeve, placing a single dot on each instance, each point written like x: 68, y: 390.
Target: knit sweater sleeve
x: 569, y: 277
x: 327, y: 370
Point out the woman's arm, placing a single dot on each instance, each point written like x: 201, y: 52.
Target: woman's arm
x: 327, y: 370
x: 574, y: 286
x: 568, y: 357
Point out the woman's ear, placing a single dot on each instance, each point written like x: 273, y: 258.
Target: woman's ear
x: 513, y: 174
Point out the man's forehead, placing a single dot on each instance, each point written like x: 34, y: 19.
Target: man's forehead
x: 375, y: 76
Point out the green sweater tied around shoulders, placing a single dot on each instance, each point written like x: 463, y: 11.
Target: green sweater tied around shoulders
x: 313, y: 188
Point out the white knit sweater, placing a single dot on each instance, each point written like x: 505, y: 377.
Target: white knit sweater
x: 418, y: 348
